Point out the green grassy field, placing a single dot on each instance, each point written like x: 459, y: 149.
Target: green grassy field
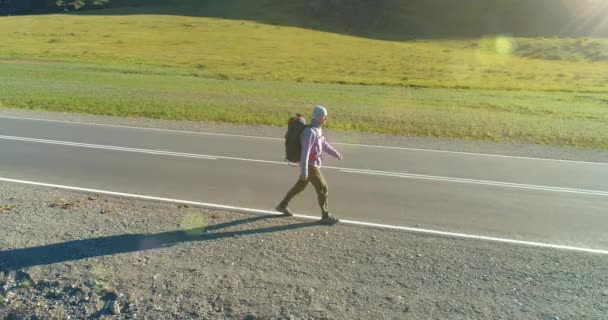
x: 537, y: 90
x: 561, y: 118
x: 230, y: 49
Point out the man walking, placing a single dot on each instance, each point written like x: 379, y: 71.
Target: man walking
x: 313, y: 146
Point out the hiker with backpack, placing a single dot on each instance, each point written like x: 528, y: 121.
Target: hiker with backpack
x: 305, y: 144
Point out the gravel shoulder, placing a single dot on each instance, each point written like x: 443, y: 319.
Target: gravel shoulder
x: 460, y: 145
x: 66, y: 255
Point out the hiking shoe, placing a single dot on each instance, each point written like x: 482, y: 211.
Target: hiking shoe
x: 329, y: 219
x: 285, y: 211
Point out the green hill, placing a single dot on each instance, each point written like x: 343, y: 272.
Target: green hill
x: 390, y: 19
x: 400, y: 67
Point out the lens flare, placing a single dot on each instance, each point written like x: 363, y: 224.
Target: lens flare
x: 193, y: 223
x: 505, y: 45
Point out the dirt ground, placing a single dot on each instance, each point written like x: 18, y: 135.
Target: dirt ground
x: 67, y: 255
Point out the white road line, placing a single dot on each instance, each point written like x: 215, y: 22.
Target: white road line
x: 345, y: 170
x: 351, y: 222
x: 482, y: 182
x: 104, y: 147
x: 336, y: 143
x: 145, y: 128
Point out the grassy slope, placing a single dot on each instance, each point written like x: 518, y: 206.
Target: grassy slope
x: 394, y: 19
x: 523, y: 116
x: 167, y: 66
x: 247, y: 50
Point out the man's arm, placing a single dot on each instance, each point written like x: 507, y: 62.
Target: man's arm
x: 333, y: 152
x: 307, y: 140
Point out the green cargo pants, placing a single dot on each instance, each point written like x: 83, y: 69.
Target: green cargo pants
x: 318, y: 181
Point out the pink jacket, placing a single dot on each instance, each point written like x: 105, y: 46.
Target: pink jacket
x: 313, y: 145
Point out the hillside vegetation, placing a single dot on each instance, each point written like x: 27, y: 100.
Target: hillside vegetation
x: 257, y: 63
x: 388, y: 18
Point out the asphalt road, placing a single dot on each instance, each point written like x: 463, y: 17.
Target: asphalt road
x: 558, y: 202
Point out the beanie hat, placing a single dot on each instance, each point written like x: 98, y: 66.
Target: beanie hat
x: 319, y: 112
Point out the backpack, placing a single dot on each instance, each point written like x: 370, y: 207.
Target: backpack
x: 293, y: 143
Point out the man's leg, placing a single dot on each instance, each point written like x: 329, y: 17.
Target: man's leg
x: 318, y: 181
x: 295, y: 190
